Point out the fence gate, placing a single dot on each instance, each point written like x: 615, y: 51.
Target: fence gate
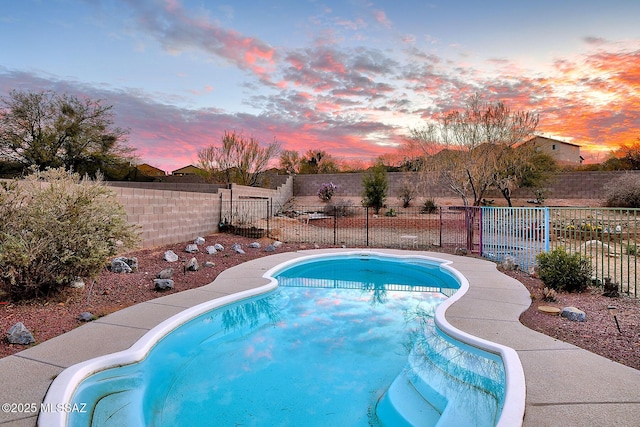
x: 521, y: 233
x: 460, y: 228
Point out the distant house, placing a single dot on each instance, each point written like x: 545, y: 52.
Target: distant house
x: 150, y: 171
x: 188, y: 171
x: 564, y: 153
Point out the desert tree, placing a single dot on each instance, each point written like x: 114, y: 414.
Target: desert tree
x: 524, y: 167
x: 468, y: 148
x: 239, y: 159
x: 49, y: 130
x: 318, y: 161
x: 290, y: 161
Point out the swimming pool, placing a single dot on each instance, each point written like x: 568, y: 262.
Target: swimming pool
x: 279, y: 339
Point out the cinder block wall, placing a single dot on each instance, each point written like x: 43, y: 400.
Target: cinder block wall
x: 170, y: 216
x: 566, y: 185
x: 166, y: 217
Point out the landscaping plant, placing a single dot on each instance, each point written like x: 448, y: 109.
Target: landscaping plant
x: 326, y: 191
x: 56, y: 226
x: 375, y: 187
x: 562, y: 271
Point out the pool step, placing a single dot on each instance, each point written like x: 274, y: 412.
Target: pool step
x: 404, y: 406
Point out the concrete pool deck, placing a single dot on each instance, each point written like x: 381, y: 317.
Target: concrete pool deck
x: 565, y: 385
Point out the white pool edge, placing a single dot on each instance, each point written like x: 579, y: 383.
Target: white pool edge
x: 64, y: 385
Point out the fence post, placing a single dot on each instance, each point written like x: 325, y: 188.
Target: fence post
x: 440, y: 228
x: 366, y: 211
x: 268, y: 211
x: 335, y: 227
x: 547, y: 226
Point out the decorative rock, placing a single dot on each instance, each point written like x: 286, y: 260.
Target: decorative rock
x: 211, y: 250
x: 163, y: 284
x: 19, y: 334
x: 277, y: 244
x: 237, y: 248
x: 218, y: 247
x: 209, y: 264
x: 509, y: 263
x: 170, y: 256
x: 118, y: 265
x: 270, y: 248
x: 573, y: 314
x: 124, y: 265
x: 192, y: 265
x: 199, y: 241
x: 166, y: 273
x: 460, y: 251
x: 78, y: 283
x: 191, y: 248
x: 133, y: 263
x: 85, y: 316
x: 254, y: 245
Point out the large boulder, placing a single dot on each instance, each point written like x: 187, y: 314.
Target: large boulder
x: 573, y: 314
x: 166, y: 273
x: 163, y: 284
x: 19, y: 334
x: 170, y: 256
x: 120, y: 265
x: 191, y: 248
x: 192, y: 265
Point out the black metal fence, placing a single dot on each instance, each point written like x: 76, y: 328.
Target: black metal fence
x: 357, y: 226
x: 608, y: 237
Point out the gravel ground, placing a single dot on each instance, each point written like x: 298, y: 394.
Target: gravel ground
x: 111, y: 292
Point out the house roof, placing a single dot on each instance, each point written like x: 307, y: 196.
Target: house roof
x: 557, y: 141
x: 186, y: 169
x: 147, y: 169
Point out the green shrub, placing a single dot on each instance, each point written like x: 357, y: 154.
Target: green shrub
x: 54, y: 227
x: 391, y: 213
x: 562, y: 271
x: 375, y: 188
x: 429, y: 206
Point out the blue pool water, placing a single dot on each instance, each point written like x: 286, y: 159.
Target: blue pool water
x: 344, y: 341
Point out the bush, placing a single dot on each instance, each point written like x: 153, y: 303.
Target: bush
x: 54, y: 227
x: 375, y: 187
x: 562, y: 271
x: 340, y: 209
x: 623, y: 192
x: 429, y: 206
x: 326, y: 191
x: 407, y: 194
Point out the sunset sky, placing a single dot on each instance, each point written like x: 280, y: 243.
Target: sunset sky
x: 347, y: 77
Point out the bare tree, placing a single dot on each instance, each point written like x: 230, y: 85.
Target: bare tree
x: 468, y: 148
x: 240, y: 159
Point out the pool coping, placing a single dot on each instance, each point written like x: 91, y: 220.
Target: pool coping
x: 565, y: 385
